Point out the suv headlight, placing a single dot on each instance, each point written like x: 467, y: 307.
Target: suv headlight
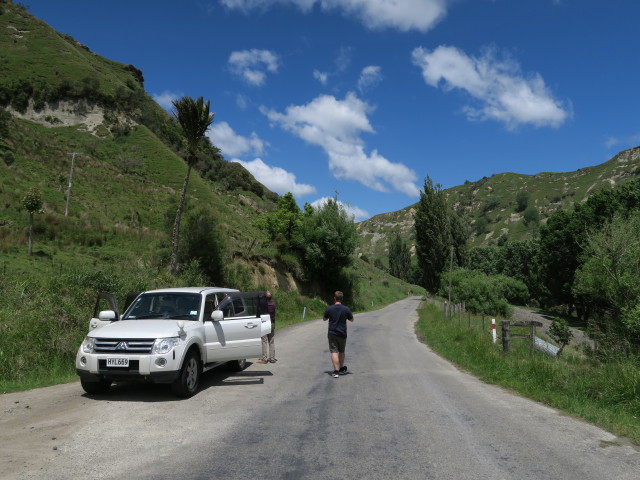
x: 87, y: 345
x: 165, y: 345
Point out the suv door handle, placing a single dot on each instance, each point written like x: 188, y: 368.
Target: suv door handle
x: 250, y: 325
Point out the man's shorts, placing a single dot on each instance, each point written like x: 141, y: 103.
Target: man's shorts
x: 337, y: 344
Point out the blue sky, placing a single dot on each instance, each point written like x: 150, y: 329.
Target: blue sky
x: 363, y: 99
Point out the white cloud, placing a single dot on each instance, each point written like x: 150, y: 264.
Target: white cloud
x: 276, y: 179
x: 342, y: 62
x: 242, y: 102
x: 343, y: 59
x: 166, y: 98
x: 611, y: 142
x: 336, y: 125
x: 622, y: 142
x: 232, y: 144
x: 355, y: 212
x: 403, y: 15
x: 248, y: 5
x: 369, y: 77
x: 503, y: 92
x: 253, y: 65
x: 322, y: 77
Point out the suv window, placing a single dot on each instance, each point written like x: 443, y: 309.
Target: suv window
x: 240, y: 305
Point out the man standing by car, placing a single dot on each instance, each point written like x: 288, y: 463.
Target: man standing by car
x: 268, y: 344
x: 338, y: 314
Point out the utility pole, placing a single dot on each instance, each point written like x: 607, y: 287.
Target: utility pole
x: 73, y: 161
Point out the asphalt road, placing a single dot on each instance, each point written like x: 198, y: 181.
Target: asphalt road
x: 402, y: 412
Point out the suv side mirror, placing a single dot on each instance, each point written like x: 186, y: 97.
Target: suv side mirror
x: 107, y: 315
x: 217, y: 315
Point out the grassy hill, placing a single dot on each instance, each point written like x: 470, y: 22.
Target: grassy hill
x: 63, y: 98
x: 490, y: 205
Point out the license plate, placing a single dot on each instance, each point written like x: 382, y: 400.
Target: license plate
x: 117, y: 362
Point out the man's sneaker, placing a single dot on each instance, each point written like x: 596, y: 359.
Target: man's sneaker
x: 335, y: 374
x: 261, y: 361
x: 272, y: 360
x: 343, y: 370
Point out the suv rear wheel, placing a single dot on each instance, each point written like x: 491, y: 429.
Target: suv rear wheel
x: 237, y: 365
x: 188, y: 381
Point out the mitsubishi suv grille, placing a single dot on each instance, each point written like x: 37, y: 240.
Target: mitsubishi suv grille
x: 123, y: 345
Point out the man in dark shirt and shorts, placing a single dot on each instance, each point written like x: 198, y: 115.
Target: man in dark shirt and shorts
x: 338, y: 314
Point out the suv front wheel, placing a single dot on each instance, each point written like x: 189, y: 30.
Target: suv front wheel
x: 188, y: 381
x: 95, y: 388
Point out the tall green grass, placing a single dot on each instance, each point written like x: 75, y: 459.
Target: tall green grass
x: 44, y: 317
x: 605, y: 394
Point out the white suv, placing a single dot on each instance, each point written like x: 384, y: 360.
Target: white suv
x: 172, y: 336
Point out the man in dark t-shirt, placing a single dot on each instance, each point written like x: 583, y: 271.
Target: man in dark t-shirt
x: 338, y: 314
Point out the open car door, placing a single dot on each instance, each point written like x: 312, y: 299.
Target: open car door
x: 106, y: 309
x: 105, y: 302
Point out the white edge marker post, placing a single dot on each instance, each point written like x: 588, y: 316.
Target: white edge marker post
x: 493, y: 330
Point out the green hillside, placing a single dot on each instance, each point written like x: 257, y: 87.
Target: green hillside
x: 32, y: 50
x: 490, y: 205
x: 60, y: 98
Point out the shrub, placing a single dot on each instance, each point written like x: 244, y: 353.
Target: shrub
x: 531, y: 216
x: 201, y: 242
x: 483, y: 294
x: 560, y: 332
x: 522, y: 200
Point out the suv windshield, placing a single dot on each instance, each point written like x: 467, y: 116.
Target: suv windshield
x: 183, y: 306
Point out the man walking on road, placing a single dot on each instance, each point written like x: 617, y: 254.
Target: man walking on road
x: 338, y: 314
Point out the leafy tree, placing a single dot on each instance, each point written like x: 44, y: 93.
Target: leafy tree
x: 481, y: 293
x: 202, y: 243
x: 611, y: 273
x: 563, y: 237
x: 194, y: 119
x: 512, y: 290
x: 282, y: 223
x: 488, y: 260
x: 439, y: 231
x: 560, y: 332
x: 531, y: 216
x: 399, y: 257
x: 5, y: 119
x: 482, y: 226
x: 492, y: 203
x: 518, y: 260
x: 559, y: 251
x: 32, y: 202
x: 522, y: 200
x: 326, y: 241
x: 521, y: 261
